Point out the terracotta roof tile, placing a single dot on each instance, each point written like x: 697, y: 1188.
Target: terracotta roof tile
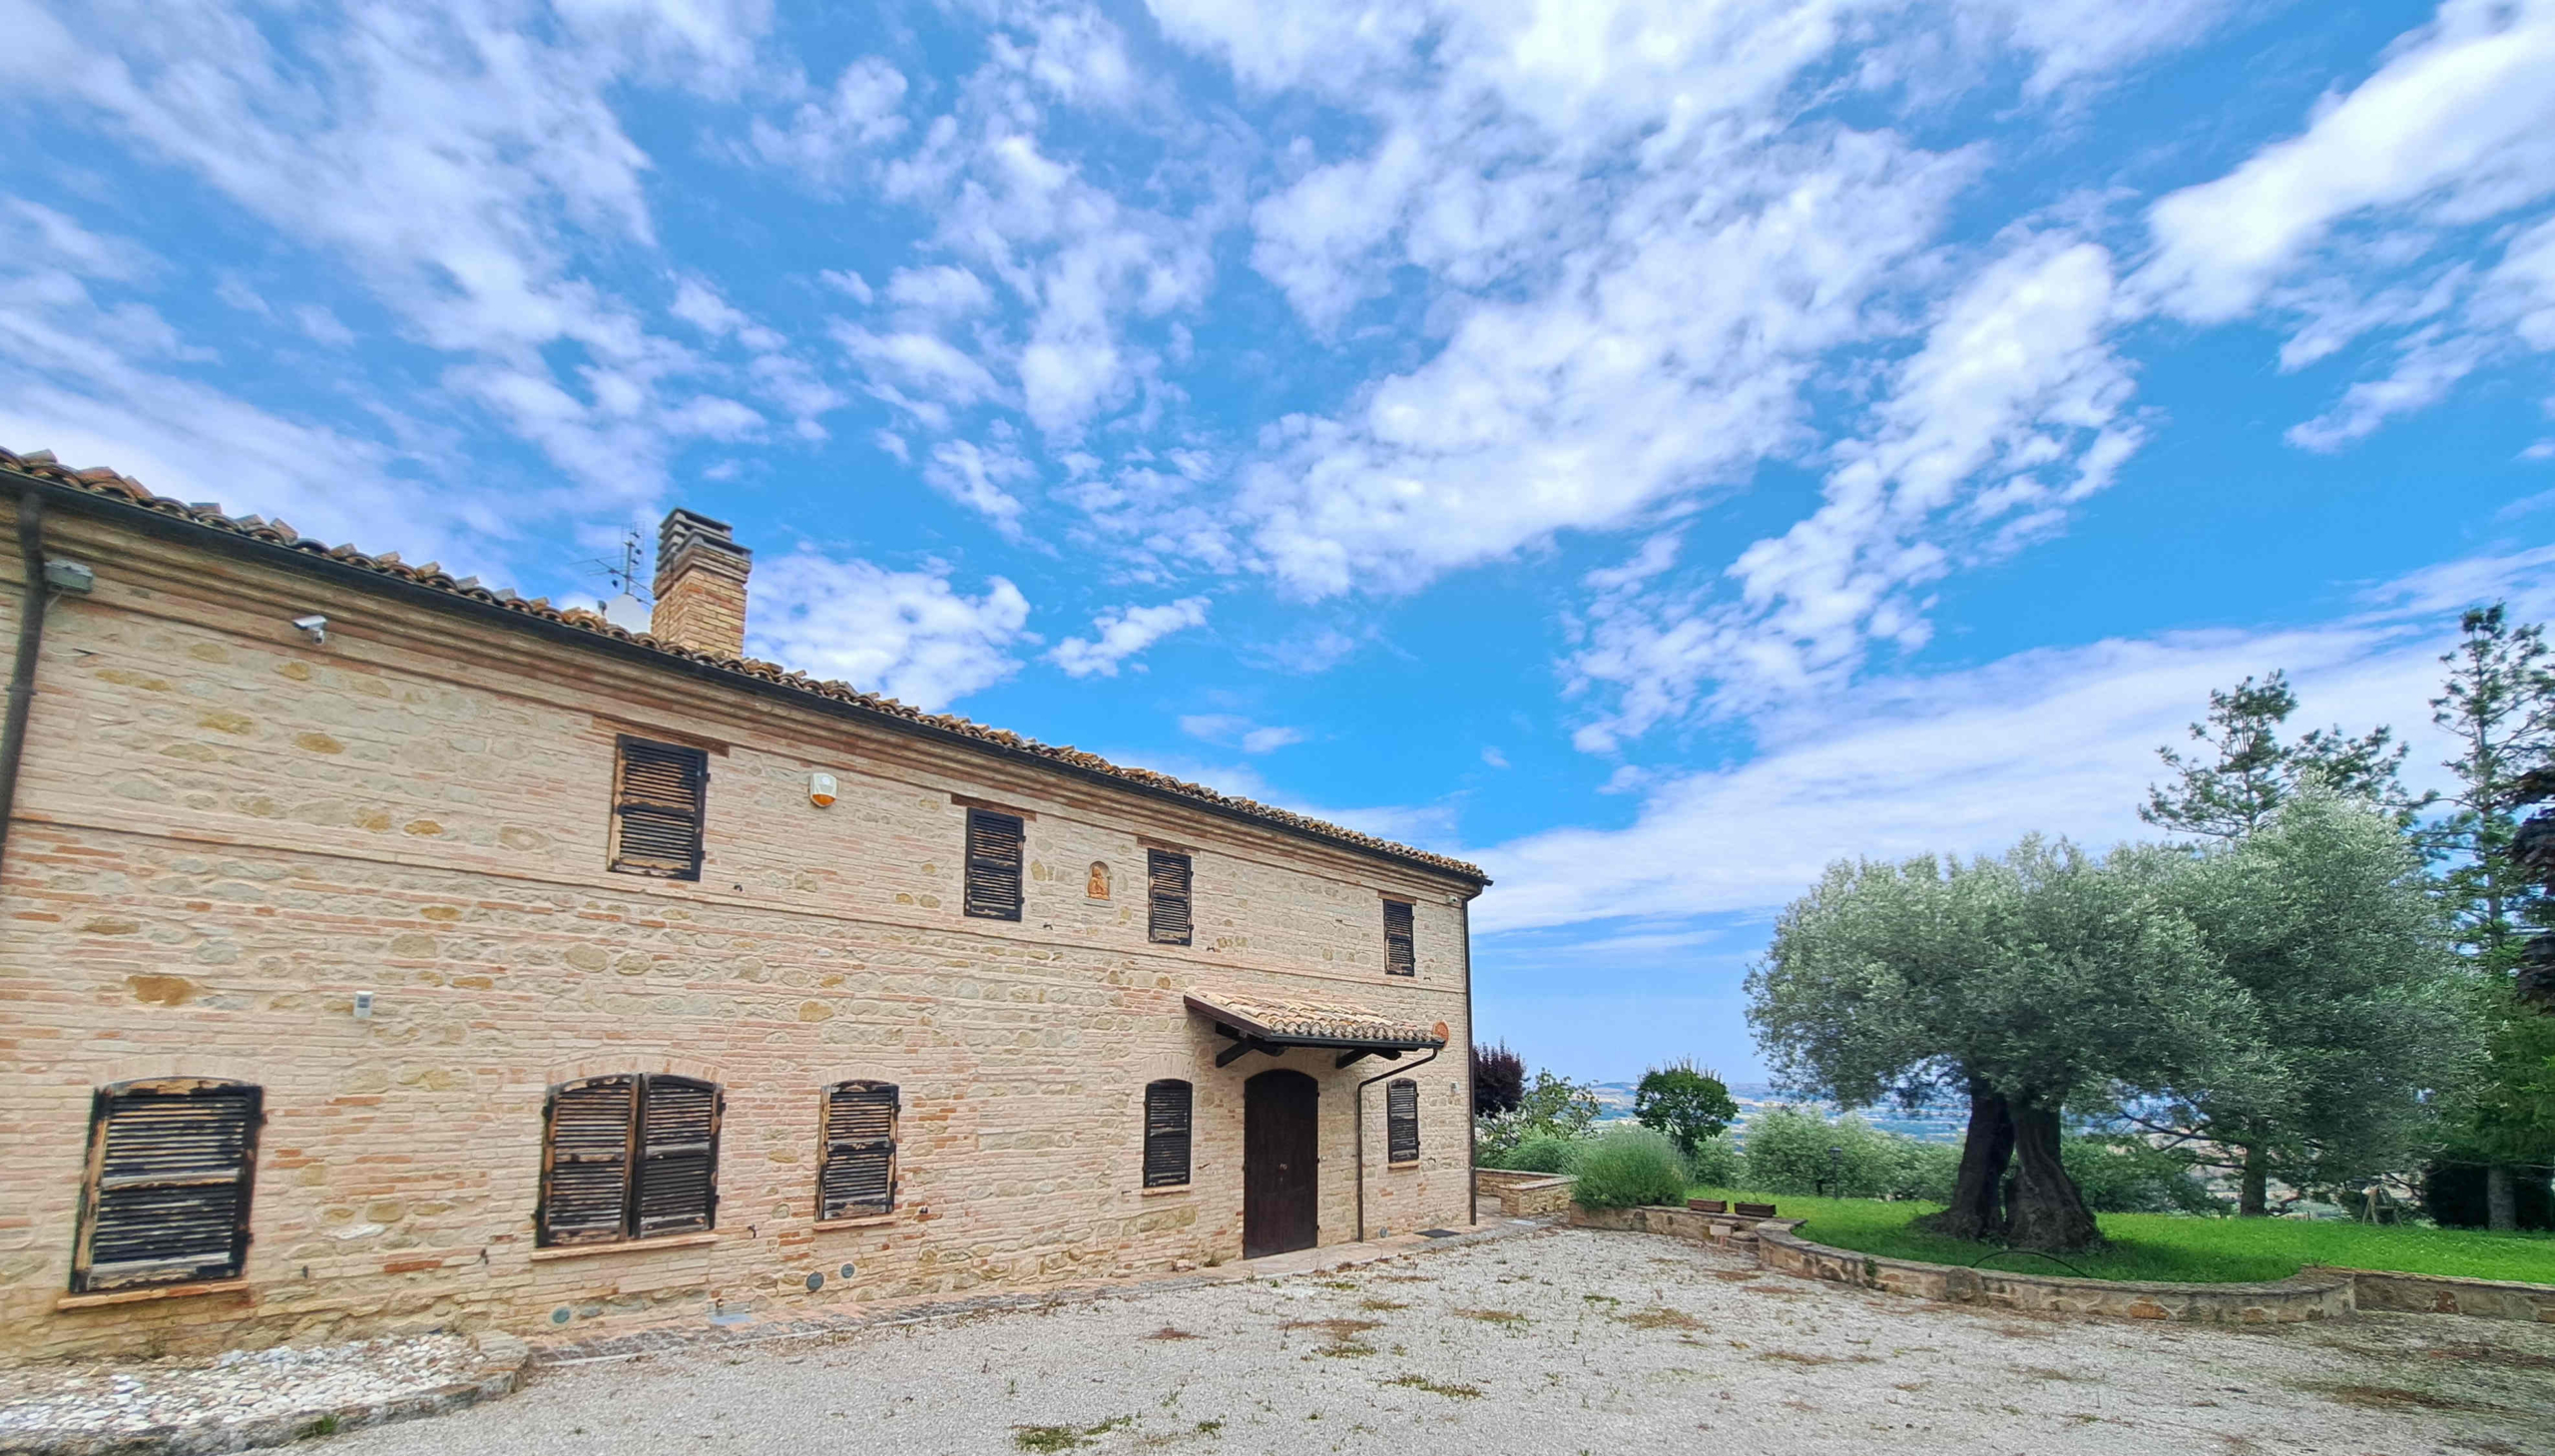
x: 41, y: 466
x: 1326, y: 1021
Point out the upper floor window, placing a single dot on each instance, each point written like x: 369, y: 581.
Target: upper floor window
x: 628, y: 1157
x: 1166, y: 1133
x: 859, y: 1172
x: 994, y: 842
x: 1401, y: 1120
x: 1166, y: 878
x: 1399, y: 957
x: 656, y: 796
x: 170, y: 1164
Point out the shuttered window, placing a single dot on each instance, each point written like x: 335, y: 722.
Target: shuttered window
x: 1166, y: 1133
x: 1401, y: 1120
x: 993, y: 864
x: 1399, y: 960
x: 1167, y: 879
x: 658, y: 791
x: 859, y: 1172
x: 628, y: 1157
x: 170, y: 1164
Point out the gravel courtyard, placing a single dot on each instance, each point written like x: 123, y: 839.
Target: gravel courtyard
x: 1561, y: 1342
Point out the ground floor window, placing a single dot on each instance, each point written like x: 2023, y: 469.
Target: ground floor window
x: 1166, y: 1133
x: 628, y: 1157
x: 1401, y: 1120
x: 859, y: 1173
x: 170, y: 1165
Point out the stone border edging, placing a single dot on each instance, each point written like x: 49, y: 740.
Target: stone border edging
x: 2327, y: 1294
x: 2403, y: 1293
x: 502, y: 1360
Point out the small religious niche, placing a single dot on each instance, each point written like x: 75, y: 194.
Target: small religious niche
x: 1098, y: 886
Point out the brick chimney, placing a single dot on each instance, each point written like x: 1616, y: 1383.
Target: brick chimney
x: 700, y: 585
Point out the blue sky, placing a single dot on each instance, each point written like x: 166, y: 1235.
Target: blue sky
x: 1651, y: 449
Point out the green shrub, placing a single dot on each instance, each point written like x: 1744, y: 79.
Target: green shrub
x: 1718, y: 1163
x: 1788, y: 1153
x: 1628, y: 1168
x: 2128, y: 1177
x: 1547, y: 1155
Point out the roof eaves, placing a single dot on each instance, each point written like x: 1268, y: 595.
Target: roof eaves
x: 429, y: 582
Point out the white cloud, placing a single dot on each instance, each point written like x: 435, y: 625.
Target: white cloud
x: 1227, y: 728
x: 2011, y: 413
x: 322, y: 326
x: 2426, y: 368
x: 940, y: 290
x: 2457, y: 126
x: 1121, y: 633
x: 454, y: 161
x: 906, y: 634
x: 1494, y: 758
x: 2060, y: 741
x: 827, y: 134
x: 977, y: 477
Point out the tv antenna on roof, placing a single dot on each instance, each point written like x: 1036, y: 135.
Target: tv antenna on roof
x: 626, y: 608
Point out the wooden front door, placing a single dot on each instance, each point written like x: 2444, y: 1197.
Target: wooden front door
x: 1280, y: 1156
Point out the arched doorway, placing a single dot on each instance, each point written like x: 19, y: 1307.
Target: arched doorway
x: 1281, y: 1161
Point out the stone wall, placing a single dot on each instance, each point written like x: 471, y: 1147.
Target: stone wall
x: 2291, y: 1301
x: 1525, y: 1194
x: 226, y: 832
x: 2441, y: 1294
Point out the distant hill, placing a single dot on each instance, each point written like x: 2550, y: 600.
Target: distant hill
x: 1940, y: 1121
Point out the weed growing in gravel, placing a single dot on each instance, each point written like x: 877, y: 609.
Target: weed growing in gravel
x: 2389, y: 1397
x: 1422, y: 1382
x: 1380, y: 1306
x: 1661, y: 1318
x: 1505, y: 1318
x: 1340, y: 1330
x: 1064, y: 1438
x: 1346, y: 1349
x: 1209, y: 1428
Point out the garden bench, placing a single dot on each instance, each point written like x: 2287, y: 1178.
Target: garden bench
x: 1754, y: 1210
x: 1708, y: 1206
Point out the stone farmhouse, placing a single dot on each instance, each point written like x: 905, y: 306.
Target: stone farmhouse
x: 379, y: 951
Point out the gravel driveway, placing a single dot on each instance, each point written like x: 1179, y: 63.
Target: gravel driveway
x: 1554, y: 1342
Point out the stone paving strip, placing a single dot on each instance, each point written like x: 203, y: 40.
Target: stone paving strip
x: 246, y: 1399
x: 1556, y: 1340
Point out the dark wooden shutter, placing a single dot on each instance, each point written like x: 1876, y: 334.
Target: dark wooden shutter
x: 170, y: 1167
x: 859, y: 1174
x: 678, y: 1157
x: 1399, y: 959
x: 656, y: 798
x: 1401, y: 1120
x: 1166, y: 1133
x: 585, y: 1170
x: 993, y: 864
x: 1167, y: 879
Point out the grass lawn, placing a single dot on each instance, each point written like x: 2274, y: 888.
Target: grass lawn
x: 2177, y: 1247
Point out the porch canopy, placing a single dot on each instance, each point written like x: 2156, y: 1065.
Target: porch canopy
x: 1274, y: 1026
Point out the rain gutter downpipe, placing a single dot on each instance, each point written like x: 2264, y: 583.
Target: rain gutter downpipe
x: 22, y: 675
x: 1360, y: 1100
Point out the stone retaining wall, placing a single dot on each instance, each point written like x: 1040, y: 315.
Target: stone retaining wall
x: 1667, y: 1218
x: 2441, y: 1294
x: 1525, y: 1194
x: 2324, y: 1295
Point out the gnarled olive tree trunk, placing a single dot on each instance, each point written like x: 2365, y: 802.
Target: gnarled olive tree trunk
x: 2049, y: 1212
x: 1977, y: 1209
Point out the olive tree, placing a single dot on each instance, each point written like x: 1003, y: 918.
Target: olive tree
x: 2325, y: 919
x: 2025, y: 981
